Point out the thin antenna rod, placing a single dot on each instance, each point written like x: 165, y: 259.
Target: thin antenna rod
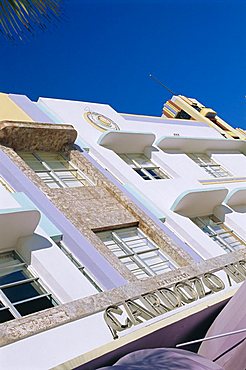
x: 160, y: 83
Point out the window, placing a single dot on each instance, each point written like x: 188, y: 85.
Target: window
x: 20, y: 292
x: 55, y: 169
x: 209, y: 165
x: 218, y: 232
x: 144, y: 167
x: 140, y: 255
x: 79, y: 266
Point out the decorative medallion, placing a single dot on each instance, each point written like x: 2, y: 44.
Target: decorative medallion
x: 100, y: 121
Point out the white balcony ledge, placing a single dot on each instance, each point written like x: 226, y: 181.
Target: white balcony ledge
x: 236, y: 197
x: 15, y: 223
x: 200, y: 145
x: 199, y: 202
x: 126, y: 141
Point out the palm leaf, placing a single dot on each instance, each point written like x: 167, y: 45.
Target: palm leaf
x: 16, y: 16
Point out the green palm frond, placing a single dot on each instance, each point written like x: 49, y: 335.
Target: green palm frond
x: 16, y: 16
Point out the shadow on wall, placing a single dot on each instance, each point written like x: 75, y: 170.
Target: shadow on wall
x: 239, y: 209
x: 221, y: 211
x: 27, y: 245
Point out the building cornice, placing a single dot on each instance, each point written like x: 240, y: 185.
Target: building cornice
x: 30, y: 136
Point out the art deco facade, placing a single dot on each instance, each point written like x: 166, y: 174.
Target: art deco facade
x: 117, y: 229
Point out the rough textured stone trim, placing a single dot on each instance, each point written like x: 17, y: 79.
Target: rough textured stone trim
x: 29, y: 136
x: 24, y: 327
x: 93, y: 206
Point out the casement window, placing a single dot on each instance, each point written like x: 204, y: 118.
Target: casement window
x: 219, y: 233
x: 55, y: 169
x: 138, y: 253
x: 79, y: 266
x: 144, y: 167
x: 209, y: 165
x: 20, y: 292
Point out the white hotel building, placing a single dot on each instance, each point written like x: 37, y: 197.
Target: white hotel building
x: 184, y: 171
x: 120, y: 232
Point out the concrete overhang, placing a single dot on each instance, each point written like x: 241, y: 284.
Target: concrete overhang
x: 199, y: 202
x: 17, y: 223
x: 200, y: 145
x: 236, y: 197
x: 126, y: 141
x: 30, y: 136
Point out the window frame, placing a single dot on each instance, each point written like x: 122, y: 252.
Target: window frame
x: 129, y: 159
x: 84, y: 180
x: 209, y: 165
x: 216, y: 236
x: 117, y: 245
x: 31, y: 278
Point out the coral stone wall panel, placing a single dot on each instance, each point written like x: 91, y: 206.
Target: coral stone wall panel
x: 93, y: 206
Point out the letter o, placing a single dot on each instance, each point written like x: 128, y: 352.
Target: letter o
x: 186, y: 292
x: 213, y: 282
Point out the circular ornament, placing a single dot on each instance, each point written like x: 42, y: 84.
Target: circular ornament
x: 100, y: 121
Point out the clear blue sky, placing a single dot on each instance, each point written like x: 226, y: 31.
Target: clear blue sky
x: 103, y: 50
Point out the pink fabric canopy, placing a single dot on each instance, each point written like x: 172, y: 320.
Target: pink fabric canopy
x: 163, y: 359
x: 231, y: 318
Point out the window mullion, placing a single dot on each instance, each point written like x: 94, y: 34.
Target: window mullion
x: 55, y: 177
x: 211, y: 231
x: 121, y: 243
x: 147, y: 173
x: 144, y: 266
x: 137, y: 259
x: 9, y: 305
x: 225, y: 243
x: 32, y: 298
x: 16, y: 283
x: 136, y: 164
x: 13, y: 266
x: 51, y: 172
x: 147, y: 251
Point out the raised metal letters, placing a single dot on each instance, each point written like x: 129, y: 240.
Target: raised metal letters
x: 153, y: 303
x: 169, y: 298
x: 165, y: 299
x: 112, y: 322
x: 213, y: 282
x: 136, y: 312
x: 185, y: 291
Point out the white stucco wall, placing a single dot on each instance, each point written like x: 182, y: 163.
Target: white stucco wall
x: 53, y: 347
x: 184, y: 173
x: 6, y: 200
